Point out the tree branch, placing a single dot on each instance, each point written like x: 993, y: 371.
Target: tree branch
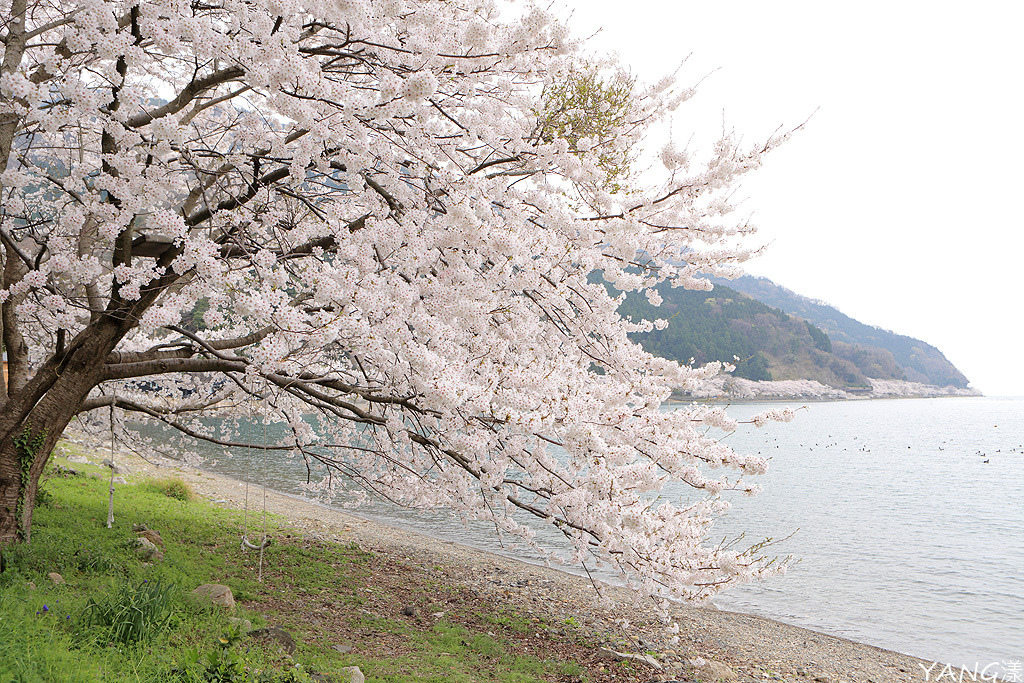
x: 191, y: 91
x: 164, y: 366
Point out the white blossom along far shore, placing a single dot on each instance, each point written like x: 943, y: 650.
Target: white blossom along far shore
x: 391, y: 225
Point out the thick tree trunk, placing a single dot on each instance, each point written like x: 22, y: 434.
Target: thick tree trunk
x: 36, y: 415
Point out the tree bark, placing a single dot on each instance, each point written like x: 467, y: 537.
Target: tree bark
x: 36, y: 415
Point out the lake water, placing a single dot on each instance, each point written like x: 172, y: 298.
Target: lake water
x: 907, y: 517
x: 911, y: 524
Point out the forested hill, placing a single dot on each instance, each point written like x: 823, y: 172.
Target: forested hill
x: 773, y: 344
x: 921, y: 362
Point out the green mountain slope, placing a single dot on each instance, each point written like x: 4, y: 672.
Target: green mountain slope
x: 774, y: 344
x: 921, y: 362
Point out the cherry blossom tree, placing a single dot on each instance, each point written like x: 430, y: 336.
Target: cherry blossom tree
x: 363, y: 211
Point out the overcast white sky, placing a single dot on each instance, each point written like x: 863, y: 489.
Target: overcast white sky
x: 900, y: 202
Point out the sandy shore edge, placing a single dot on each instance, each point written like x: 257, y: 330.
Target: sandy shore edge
x: 753, y: 648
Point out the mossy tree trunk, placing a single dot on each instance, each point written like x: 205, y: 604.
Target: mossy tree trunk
x: 35, y: 415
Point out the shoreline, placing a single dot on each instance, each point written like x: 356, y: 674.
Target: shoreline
x: 727, y: 400
x: 752, y: 647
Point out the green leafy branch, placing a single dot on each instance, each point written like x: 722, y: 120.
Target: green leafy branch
x: 589, y: 104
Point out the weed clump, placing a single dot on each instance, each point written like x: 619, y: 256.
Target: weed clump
x: 172, y: 488
x: 133, y: 616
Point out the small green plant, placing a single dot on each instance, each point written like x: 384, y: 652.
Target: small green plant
x: 218, y: 666
x: 91, y: 561
x: 172, y: 488
x: 134, y: 616
x: 231, y: 637
x: 225, y: 665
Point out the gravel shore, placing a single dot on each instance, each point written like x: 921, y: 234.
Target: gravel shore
x: 729, y: 645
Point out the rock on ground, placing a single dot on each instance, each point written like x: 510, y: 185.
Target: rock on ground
x: 215, y: 594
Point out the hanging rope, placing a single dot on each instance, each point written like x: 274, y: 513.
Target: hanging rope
x: 265, y: 540
x: 110, y: 503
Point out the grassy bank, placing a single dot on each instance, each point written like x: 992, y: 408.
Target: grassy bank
x: 118, y: 617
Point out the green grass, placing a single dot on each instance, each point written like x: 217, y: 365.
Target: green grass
x: 118, y: 618
x: 114, y: 617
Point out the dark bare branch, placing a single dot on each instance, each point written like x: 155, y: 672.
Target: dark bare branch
x: 187, y: 95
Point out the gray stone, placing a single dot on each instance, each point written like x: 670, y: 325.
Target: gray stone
x: 278, y: 635
x: 56, y: 578
x: 147, y: 551
x: 214, y: 593
x: 344, y: 648
x: 151, y: 536
x: 711, y: 671
x: 629, y: 657
x: 352, y: 674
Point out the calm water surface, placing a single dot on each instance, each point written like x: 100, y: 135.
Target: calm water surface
x: 910, y: 518
x: 907, y: 517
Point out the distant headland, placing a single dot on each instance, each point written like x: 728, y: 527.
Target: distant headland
x: 785, y: 345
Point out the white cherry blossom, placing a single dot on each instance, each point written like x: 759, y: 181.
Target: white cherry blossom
x: 347, y: 212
